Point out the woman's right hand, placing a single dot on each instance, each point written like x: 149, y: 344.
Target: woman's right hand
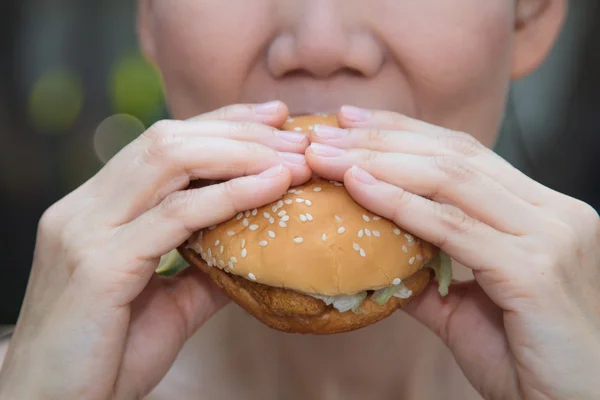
x: 97, y: 322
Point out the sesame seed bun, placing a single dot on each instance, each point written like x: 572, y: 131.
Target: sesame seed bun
x: 315, y: 240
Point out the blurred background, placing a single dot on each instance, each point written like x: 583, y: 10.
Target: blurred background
x: 74, y: 90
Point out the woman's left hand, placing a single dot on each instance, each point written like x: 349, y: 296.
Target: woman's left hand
x: 528, y: 326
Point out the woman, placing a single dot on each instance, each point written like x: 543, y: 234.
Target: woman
x: 97, y: 323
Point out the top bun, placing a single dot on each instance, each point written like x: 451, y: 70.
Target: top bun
x: 316, y: 239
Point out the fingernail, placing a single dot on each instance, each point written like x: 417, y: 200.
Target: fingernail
x: 271, y: 172
x: 323, y: 150
x: 363, y: 176
x: 293, y: 137
x: 267, y: 108
x: 329, y: 132
x: 293, y: 158
x: 356, y: 114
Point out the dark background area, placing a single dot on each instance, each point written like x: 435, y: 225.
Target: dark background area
x: 73, y: 90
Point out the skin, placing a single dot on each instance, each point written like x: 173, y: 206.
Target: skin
x: 97, y: 323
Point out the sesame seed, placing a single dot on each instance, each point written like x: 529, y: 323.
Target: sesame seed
x: 245, y: 222
x: 419, y: 257
x: 222, y: 249
x: 376, y: 218
x: 324, y: 237
x: 201, y: 234
x: 279, y: 204
x: 285, y: 218
x: 338, y: 218
x: 396, y: 281
x: 355, y: 246
x: 263, y: 243
x: 309, y: 217
x: 366, y: 218
x: 341, y: 230
x: 274, y: 208
x: 339, y: 184
x: 217, y: 243
x: 251, y: 276
x: 244, y: 253
x: 298, y: 191
x: 303, y: 218
x: 243, y: 243
x: 282, y: 224
x: 376, y: 233
x: 212, y: 228
x: 288, y: 201
x: 368, y: 232
x: 299, y: 200
x: 405, y: 249
x: 290, y: 120
x: 282, y: 213
x: 239, y: 216
x: 253, y: 227
x: 292, y: 191
x: 397, y: 231
x: 254, y: 212
x: 409, y: 237
x: 233, y: 260
x: 272, y: 234
x: 362, y: 253
x: 266, y: 215
x: 230, y: 265
x: 298, y: 239
x: 298, y: 129
x: 221, y: 263
x: 411, y: 261
x: 361, y: 233
x: 230, y: 233
x: 271, y: 220
x: 317, y: 189
x: 209, y: 253
x: 308, y: 203
x: 247, y: 214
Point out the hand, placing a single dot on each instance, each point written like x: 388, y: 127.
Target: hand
x: 97, y: 322
x: 528, y: 326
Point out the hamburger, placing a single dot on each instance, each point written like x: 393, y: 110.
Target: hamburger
x: 315, y: 261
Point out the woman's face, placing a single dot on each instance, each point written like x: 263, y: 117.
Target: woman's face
x: 445, y: 62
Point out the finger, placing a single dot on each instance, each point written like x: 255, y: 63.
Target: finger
x: 464, y: 238
x: 272, y: 113
x: 168, y: 312
x: 458, y: 143
x: 444, y: 179
x: 169, y: 165
x: 182, y: 213
x: 471, y: 325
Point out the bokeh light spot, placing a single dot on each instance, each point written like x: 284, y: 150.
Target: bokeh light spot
x: 114, y: 133
x: 136, y: 88
x: 55, y: 101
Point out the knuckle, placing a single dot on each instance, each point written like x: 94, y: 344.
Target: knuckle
x: 161, y: 143
x: 400, y: 200
x: 454, y: 219
x: 51, y: 220
x: 453, y: 168
x: 462, y: 144
x: 232, y: 112
x: 374, y: 136
x: 176, y: 204
x: 372, y: 159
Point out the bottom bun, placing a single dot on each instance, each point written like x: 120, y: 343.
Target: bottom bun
x: 293, y: 312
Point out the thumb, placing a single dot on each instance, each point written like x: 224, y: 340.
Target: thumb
x: 472, y: 327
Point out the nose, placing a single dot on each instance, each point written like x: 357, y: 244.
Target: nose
x: 320, y: 38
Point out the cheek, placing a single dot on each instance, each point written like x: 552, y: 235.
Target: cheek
x: 456, y: 56
x: 205, y: 49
